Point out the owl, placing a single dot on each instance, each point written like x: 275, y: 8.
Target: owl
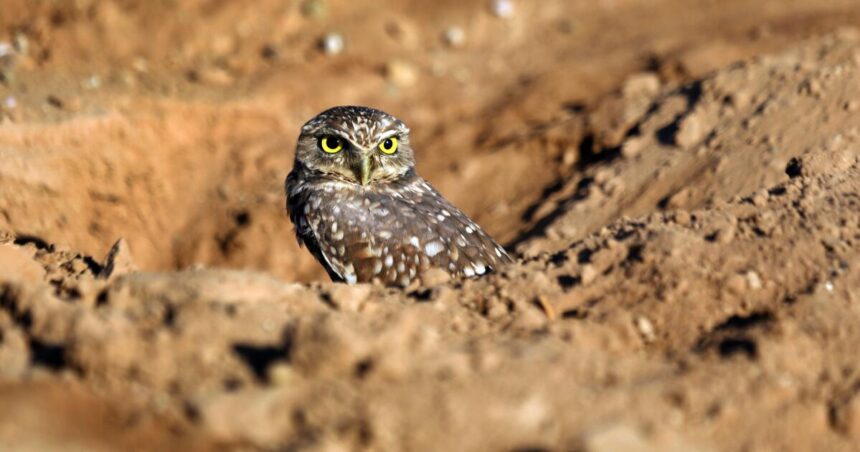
x: 360, y: 208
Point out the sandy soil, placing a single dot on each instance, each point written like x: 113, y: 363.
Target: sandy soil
x: 680, y: 181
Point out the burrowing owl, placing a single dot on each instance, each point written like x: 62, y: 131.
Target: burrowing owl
x: 360, y: 208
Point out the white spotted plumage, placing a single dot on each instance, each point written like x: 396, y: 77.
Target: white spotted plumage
x: 389, y: 230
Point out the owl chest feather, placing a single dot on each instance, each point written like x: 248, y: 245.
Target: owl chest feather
x: 389, y: 233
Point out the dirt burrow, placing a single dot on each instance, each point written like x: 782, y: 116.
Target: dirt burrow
x: 172, y: 124
x: 616, y: 340
x: 721, y: 314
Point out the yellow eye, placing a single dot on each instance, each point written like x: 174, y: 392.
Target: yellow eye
x: 331, y: 145
x: 389, y: 145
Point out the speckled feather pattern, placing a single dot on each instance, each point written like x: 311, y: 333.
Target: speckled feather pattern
x: 388, y: 231
x: 361, y: 125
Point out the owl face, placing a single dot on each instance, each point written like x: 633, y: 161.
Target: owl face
x: 359, y: 145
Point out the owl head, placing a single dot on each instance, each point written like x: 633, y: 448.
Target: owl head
x: 359, y: 145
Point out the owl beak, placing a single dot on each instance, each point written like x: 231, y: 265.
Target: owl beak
x: 364, y: 169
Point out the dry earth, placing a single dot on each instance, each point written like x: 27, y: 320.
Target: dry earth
x: 679, y: 179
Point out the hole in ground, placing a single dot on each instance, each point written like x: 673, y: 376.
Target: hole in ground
x: 260, y: 357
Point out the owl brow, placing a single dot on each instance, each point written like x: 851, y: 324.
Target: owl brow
x: 386, y: 135
x: 329, y: 131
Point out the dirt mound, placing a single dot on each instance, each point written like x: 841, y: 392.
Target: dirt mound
x: 689, y: 241
x: 173, y: 124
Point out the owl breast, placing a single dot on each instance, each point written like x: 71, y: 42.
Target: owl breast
x: 389, y: 233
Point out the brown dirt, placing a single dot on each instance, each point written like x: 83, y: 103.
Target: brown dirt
x: 681, y: 180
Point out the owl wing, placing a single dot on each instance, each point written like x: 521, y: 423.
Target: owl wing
x: 394, y: 234
x: 298, y: 199
x: 307, y: 236
x: 468, y: 250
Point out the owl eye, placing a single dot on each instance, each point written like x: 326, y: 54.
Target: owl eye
x: 331, y: 144
x: 389, y: 145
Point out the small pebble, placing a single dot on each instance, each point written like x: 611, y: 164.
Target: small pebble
x: 281, y: 374
x: 682, y: 218
x: 454, y: 36
x: 349, y: 297
x: 760, y: 198
x: 643, y: 84
x: 633, y: 147
x: 646, y: 328
x: 6, y: 50
x: 21, y: 43
x: 690, y: 131
x: 587, y: 274
x: 93, y: 82
x: 569, y: 157
x: 7, y: 60
x: 332, y: 44
x: 140, y: 65
x: 401, y: 73
x: 502, y: 8
x: 753, y: 280
x: 497, y: 311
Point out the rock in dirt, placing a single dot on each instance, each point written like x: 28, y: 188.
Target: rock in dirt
x: 502, y: 8
x: 690, y: 132
x: 645, y: 84
x: 332, y: 44
x: 349, y: 297
x: 454, y: 36
x: 401, y: 73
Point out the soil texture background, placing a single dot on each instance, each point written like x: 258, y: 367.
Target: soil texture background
x: 678, y: 179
